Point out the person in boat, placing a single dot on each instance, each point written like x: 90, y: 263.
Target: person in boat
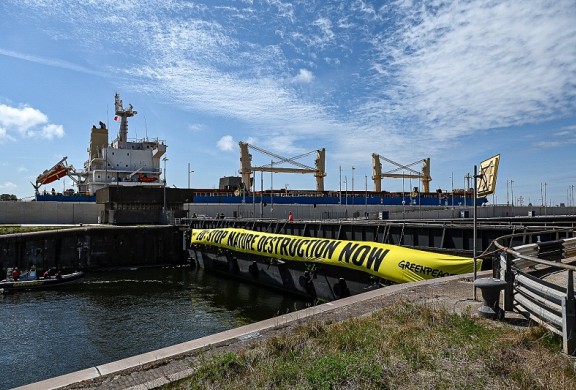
x: 15, y: 274
x: 46, y: 274
x: 58, y: 275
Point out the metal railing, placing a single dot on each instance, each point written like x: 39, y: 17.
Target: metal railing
x: 540, y: 283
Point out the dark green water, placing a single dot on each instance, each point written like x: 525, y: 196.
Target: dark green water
x: 114, y: 315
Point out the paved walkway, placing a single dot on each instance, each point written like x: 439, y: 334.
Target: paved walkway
x: 157, y: 368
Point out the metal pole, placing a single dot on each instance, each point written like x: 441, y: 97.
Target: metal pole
x: 189, y: 172
x: 474, y: 224
x: 346, y: 189
x: 545, y: 200
x: 366, y: 194
x: 512, y: 194
x: 340, y: 192
x: 164, y: 210
x: 261, y: 194
x: 465, y: 189
x: 452, y: 177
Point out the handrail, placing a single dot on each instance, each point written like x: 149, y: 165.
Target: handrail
x: 531, y: 258
x: 551, y: 304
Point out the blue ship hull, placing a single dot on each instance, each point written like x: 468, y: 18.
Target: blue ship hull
x: 385, y: 199
x: 65, y: 198
x: 331, y: 200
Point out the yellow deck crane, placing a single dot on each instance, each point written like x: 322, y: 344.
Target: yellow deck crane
x: 246, y: 167
x: 377, y: 174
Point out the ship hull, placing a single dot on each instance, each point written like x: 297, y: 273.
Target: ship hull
x: 393, y: 200
x: 309, y: 281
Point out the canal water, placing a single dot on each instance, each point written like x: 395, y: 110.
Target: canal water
x: 117, y: 314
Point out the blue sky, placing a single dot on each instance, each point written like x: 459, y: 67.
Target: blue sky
x: 456, y: 81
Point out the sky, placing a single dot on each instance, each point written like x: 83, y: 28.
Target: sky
x: 454, y: 81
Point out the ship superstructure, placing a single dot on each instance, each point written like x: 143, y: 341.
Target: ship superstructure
x: 123, y: 162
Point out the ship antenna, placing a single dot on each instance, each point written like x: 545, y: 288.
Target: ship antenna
x: 124, y: 114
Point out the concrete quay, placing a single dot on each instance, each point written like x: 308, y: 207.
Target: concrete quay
x: 157, y: 368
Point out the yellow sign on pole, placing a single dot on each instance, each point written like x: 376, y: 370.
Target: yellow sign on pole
x: 486, y: 180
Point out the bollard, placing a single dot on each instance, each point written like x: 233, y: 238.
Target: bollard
x: 490, y: 288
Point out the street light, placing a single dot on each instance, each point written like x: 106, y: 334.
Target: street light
x: 340, y: 191
x: 512, y: 191
x: 346, y: 188
x: 452, y: 177
x: 164, y: 207
x: 189, y: 172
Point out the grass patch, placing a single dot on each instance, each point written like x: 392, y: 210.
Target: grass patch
x: 402, y: 346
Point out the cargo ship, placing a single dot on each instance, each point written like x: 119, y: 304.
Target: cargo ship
x: 124, y: 162
x: 137, y: 163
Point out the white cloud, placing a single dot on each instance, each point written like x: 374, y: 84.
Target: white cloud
x: 562, y: 137
x: 303, y: 77
x: 196, y: 127
x: 21, y: 119
x: 28, y: 122
x: 226, y: 143
x: 8, y: 186
x: 468, y: 66
x: 51, y: 131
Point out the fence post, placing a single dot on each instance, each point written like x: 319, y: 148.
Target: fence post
x: 507, y: 275
x: 569, y: 318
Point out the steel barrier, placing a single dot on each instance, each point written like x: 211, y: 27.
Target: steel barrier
x: 540, y: 282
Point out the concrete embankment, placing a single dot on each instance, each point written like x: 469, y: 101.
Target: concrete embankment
x: 157, y: 368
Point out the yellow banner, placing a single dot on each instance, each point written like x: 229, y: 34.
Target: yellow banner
x: 390, y: 262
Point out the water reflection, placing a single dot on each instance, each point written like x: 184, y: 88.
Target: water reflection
x: 114, y: 315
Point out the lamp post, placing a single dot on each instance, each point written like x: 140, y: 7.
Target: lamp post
x: 164, y: 206
x: 512, y: 192
x: 452, y: 177
x: 353, y: 178
x: 340, y: 192
x: 346, y: 189
x: 189, y: 172
x: 366, y: 194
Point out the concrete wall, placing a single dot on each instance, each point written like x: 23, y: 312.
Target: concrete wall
x: 89, y: 213
x: 321, y: 212
x: 93, y: 247
x: 49, y: 212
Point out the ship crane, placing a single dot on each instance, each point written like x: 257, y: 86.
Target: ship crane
x: 246, y: 167
x: 412, y: 174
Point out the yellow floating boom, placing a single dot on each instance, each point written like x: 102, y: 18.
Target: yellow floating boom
x: 390, y: 262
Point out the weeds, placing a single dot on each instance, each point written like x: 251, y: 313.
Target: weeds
x: 402, y: 346
x: 12, y: 229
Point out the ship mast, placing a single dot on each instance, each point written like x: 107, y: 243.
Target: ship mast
x: 123, y: 115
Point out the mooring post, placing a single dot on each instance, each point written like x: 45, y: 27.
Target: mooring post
x: 490, y: 288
